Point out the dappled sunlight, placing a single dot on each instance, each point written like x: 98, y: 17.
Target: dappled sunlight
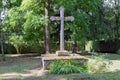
x: 29, y: 67
x: 63, y: 79
x: 27, y: 74
x: 111, y: 61
x: 37, y: 57
x: 21, y: 67
x: 14, y: 55
x: 38, y: 72
x: 14, y: 75
x: 115, y: 61
x: 115, y: 66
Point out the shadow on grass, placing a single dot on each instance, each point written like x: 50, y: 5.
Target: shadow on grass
x: 15, y: 67
x: 19, y: 64
x: 80, y: 76
x: 112, y: 56
x: 109, y: 56
x: 18, y: 58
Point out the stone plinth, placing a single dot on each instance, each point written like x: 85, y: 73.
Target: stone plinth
x: 49, y: 58
x: 62, y: 53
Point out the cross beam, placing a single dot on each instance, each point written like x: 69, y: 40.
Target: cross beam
x: 62, y: 18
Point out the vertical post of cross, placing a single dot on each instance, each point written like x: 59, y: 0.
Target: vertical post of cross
x: 62, y: 29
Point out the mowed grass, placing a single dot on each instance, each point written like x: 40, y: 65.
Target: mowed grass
x: 18, y: 64
x: 28, y: 68
x: 103, y: 76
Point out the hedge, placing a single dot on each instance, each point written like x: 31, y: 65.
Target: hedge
x: 109, y: 46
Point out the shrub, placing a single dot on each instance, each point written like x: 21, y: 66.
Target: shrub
x: 66, y: 67
x: 104, y: 46
x: 118, y: 52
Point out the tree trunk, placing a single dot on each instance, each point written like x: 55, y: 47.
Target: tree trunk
x: 2, y: 47
x: 17, y: 50
x: 47, y: 28
x: 74, y: 47
x: 117, y: 18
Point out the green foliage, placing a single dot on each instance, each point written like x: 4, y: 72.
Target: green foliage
x: 118, y: 52
x: 16, y: 19
x: 80, y: 9
x: 26, y: 20
x: 66, y: 67
x: 93, y: 20
x: 1, y: 5
x: 17, y: 42
x: 109, y: 46
x: 33, y: 27
x: 34, y: 5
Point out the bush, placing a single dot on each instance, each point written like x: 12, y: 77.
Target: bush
x: 66, y: 67
x: 118, y: 52
x: 109, y: 46
x: 8, y: 49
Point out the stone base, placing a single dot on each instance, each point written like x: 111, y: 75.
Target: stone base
x: 48, y: 59
x: 62, y: 53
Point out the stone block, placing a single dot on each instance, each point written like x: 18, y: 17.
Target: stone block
x: 63, y: 53
x: 49, y: 59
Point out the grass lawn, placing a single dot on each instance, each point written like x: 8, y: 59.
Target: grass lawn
x: 29, y: 68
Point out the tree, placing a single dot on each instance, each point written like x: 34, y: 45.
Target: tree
x: 1, y: 31
x: 81, y: 16
x: 35, y: 20
x: 26, y: 18
x: 80, y: 29
x: 30, y: 19
x: 47, y: 28
x: 117, y: 4
x: 1, y: 41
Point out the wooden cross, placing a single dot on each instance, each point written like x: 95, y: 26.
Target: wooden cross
x: 62, y: 18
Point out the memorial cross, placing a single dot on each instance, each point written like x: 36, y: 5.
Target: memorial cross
x: 62, y: 18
